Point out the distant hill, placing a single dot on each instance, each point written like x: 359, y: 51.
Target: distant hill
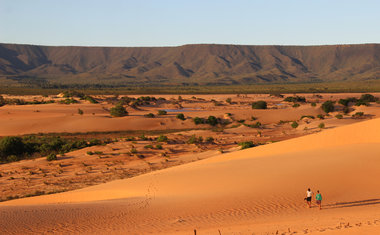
x: 189, y: 64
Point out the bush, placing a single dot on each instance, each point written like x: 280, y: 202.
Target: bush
x: 11, y: 145
x: 158, y: 146
x: 328, y: 106
x: 255, y: 125
x: 296, y: 105
x: 307, y: 116
x: 80, y: 111
x: 149, y: 146
x: 91, y: 99
x: 181, y: 116
x: 358, y: 115
x: 294, y: 124
x: 229, y: 100
x: 149, y: 115
x: 118, y: 111
x: 339, y: 116
x: 259, y: 105
x: 346, y: 110
x: 209, y: 139
x: 51, y: 157
x: 321, y: 116
x: 162, y: 138
x: 198, y: 120
x: 246, y: 144
x: 212, y: 120
x: 12, y: 158
x: 193, y: 139
x: 133, y: 150
x: 361, y: 102
x: 295, y: 99
x: 321, y: 125
x: 346, y: 102
x: 368, y: 98
x: 162, y: 112
x: 313, y: 104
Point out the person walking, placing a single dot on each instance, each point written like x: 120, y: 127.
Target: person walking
x: 309, y: 194
x: 318, y: 197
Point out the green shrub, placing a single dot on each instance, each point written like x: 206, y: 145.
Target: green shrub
x: 143, y: 137
x: 212, y: 120
x: 229, y: 100
x: 158, y: 146
x: 321, y: 116
x: 133, y: 150
x: 193, y: 139
x: 80, y: 111
x: 181, y: 116
x: 246, y: 144
x: 253, y: 118
x: 89, y: 153
x: 328, y: 106
x: 198, y: 120
x: 255, y: 125
x: 294, y: 124
x: 11, y: 145
x: 361, y: 102
x: 68, y: 101
x: 259, y: 105
x: 296, y: 105
x: 91, y: 99
x: 162, y: 138
x: 149, y: 146
x: 51, y: 157
x: 149, y: 115
x: 118, y: 111
x: 368, y: 98
x: 12, y: 158
x: 295, y: 99
x: 346, y: 110
x: 321, y: 125
x: 347, y: 101
x: 162, y: 112
x: 339, y: 116
x: 209, y: 139
x: 307, y: 116
x: 313, y: 104
x: 358, y: 115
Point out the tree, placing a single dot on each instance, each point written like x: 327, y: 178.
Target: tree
x: 259, y: 105
x: 212, y: 120
x: 328, y: 106
x: 181, y: 116
x: 11, y: 145
x: 118, y: 111
x: 162, y: 112
x: 294, y: 124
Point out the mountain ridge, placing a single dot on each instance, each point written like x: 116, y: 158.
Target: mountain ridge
x: 199, y: 64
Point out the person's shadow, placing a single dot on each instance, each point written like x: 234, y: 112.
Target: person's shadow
x: 351, y: 204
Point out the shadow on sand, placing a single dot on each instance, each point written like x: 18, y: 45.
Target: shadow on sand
x: 351, y: 204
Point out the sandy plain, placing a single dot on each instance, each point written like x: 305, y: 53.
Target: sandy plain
x: 254, y: 191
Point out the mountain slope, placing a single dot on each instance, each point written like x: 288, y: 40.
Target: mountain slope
x: 201, y: 64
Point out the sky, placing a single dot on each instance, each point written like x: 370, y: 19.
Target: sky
x: 178, y: 22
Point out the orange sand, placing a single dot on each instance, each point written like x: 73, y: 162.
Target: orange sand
x: 259, y: 190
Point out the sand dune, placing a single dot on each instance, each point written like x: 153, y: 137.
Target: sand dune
x: 256, y: 190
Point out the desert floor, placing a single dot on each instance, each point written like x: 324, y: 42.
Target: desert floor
x: 258, y: 190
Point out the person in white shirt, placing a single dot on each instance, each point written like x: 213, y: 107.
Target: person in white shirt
x: 309, y: 194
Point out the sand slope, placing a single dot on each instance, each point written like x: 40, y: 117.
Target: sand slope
x: 256, y: 190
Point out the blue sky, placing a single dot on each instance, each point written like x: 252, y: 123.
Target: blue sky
x: 176, y: 22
